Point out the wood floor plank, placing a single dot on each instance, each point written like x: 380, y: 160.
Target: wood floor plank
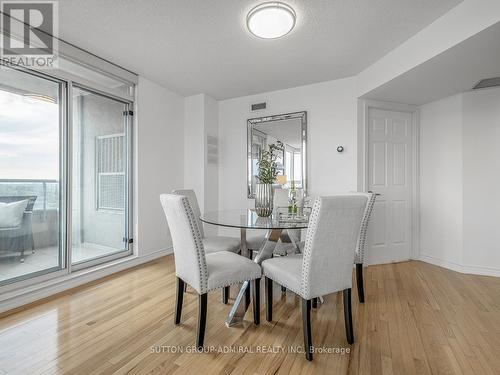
x: 417, y: 319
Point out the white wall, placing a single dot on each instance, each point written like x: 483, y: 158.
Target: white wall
x: 194, y: 131
x: 160, y: 161
x: 211, y: 176
x: 459, y: 164
x: 201, y: 121
x: 441, y: 180
x: 481, y: 116
x: 331, y: 115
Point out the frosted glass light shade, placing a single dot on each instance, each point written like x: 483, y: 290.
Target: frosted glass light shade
x: 271, y: 20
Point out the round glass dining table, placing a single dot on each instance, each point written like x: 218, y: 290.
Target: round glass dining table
x: 247, y: 219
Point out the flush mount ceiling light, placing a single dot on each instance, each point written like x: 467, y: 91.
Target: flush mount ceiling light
x: 271, y: 20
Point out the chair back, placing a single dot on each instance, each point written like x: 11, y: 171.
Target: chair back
x: 363, y: 231
x: 193, y: 201
x: 330, y: 244
x: 189, y: 254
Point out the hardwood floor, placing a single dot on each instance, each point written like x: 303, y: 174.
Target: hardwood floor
x: 417, y: 318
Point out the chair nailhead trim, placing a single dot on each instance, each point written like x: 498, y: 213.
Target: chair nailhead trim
x: 195, y: 231
x: 306, y: 260
x: 361, y: 245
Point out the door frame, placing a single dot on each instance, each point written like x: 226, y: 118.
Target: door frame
x: 364, y: 106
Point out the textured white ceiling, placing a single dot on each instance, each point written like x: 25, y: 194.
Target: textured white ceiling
x: 203, y: 46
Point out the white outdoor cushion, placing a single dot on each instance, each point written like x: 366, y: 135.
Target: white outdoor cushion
x: 11, y: 214
x: 213, y: 244
x: 225, y: 268
x: 286, y: 271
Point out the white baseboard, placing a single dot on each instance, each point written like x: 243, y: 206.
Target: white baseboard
x: 19, y: 298
x: 473, y: 270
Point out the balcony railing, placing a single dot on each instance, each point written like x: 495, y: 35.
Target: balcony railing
x: 47, y: 191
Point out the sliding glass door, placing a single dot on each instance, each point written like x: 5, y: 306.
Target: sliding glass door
x: 31, y: 175
x: 100, y: 204
x: 65, y: 180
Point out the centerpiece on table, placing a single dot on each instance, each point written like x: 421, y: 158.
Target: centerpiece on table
x: 268, y: 172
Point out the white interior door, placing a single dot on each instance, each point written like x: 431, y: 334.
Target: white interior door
x: 390, y: 175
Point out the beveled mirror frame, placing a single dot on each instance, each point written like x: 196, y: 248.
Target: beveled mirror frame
x: 287, y: 116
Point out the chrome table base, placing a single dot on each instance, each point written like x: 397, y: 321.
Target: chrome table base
x: 237, y: 313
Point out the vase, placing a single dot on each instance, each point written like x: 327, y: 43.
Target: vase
x: 264, y: 199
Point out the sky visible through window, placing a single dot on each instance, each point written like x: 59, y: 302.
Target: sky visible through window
x: 29, y: 137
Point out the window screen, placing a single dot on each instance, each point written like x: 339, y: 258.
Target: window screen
x: 110, y: 172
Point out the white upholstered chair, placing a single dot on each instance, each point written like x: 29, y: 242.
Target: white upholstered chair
x: 204, y: 272
x: 326, y: 265
x: 359, y: 258
x: 211, y: 244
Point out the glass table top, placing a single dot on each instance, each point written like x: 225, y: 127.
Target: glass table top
x: 247, y: 218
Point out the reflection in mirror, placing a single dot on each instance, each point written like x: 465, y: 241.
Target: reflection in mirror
x: 291, y: 129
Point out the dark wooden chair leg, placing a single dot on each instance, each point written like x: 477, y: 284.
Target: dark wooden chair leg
x: 202, y: 319
x: 306, y: 328
x: 269, y: 299
x: 178, y: 301
x: 348, y: 316
x: 247, y: 296
x: 256, y: 301
x: 359, y: 282
x: 225, y: 294
x: 283, y: 289
x: 314, y: 303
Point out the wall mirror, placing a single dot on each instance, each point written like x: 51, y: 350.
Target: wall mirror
x: 291, y: 129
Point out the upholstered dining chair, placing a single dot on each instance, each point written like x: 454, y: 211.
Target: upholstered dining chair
x: 326, y: 265
x: 359, y: 258
x: 211, y: 244
x: 204, y: 272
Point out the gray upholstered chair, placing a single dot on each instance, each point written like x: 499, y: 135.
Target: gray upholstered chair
x: 326, y: 265
x: 211, y: 244
x: 204, y: 272
x: 359, y: 258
